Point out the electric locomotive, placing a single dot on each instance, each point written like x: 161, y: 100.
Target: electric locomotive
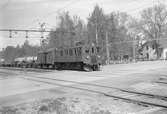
x: 86, y: 57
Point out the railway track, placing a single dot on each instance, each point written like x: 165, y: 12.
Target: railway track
x: 27, y: 69
x: 90, y: 84
x: 162, y: 82
x: 139, y: 98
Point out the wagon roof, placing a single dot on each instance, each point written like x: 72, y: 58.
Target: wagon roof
x: 50, y: 49
x: 28, y: 58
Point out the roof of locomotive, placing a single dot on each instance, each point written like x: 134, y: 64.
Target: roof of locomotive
x: 62, y: 48
x: 47, y: 50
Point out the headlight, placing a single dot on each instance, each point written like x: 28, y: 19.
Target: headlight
x: 98, y: 56
x: 87, y: 57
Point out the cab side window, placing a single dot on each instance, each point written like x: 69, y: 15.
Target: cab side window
x: 57, y: 52
x: 70, y: 52
x: 98, y: 49
x: 87, y: 51
x: 93, y: 50
x: 75, y: 50
x: 79, y: 51
x: 66, y: 52
x: 61, y: 53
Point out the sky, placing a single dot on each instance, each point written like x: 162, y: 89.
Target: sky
x: 28, y: 14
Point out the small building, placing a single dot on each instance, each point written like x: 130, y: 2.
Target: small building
x: 148, y: 50
x: 164, y: 54
x: 163, y: 46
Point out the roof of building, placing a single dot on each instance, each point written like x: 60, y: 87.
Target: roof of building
x: 162, y: 42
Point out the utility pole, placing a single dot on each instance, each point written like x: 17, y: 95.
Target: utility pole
x: 96, y: 35
x: 134, y: 50
x: 42, y: 28
x: 107, y: 49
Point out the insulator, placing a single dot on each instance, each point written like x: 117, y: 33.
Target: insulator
x: 10, y: 34
x: 42, y: 36
x: 26, y: 34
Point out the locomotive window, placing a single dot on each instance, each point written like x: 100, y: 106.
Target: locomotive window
x: 87, y: 51
x: 56, y: 52
x: 79, y: 51
x: 61, y: 53
x: 75, y: 51
x: 66, y: 51
x: 98, y: 49
x: 93, y: 50
x: 70, y: 52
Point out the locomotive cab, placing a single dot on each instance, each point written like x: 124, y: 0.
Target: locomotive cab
x: 91, y: 56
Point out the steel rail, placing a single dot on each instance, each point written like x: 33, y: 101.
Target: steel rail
x: 27, y: 69
x: 83, y: 83
x: 161, y: 82
x: 99, y: 92
x: 103, y: 86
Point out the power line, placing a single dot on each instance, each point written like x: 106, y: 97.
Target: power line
x: 26, y: 30
x: 72, y: 2
x: 33, y: 30
x: 136, y: 9
x: 58, y: 10
x: 136, y: 1
x: 6, y: 4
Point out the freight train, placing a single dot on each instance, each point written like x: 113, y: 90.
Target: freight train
x: 27, y: 62
x: 85, y: 57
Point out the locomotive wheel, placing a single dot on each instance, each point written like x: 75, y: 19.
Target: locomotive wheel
x: 96, y: 67
x: 41, y: 66
x: 53, y: 66
x: 58, y: 66
x: 87, y: 68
